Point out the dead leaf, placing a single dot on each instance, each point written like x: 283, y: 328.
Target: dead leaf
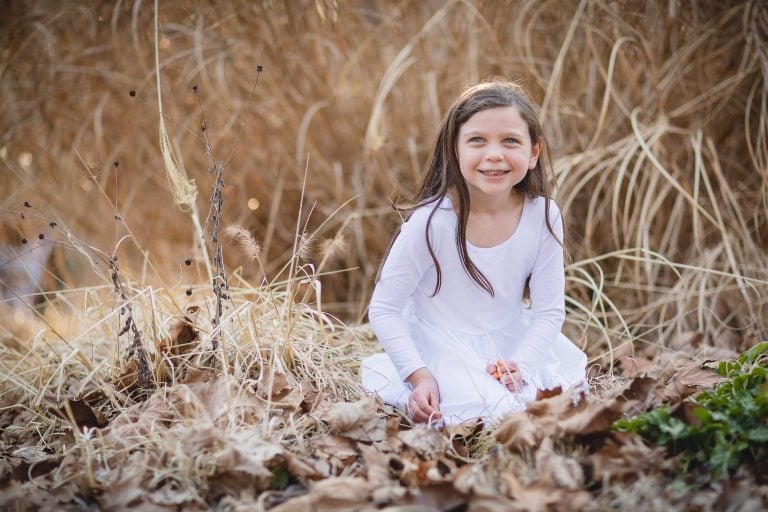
x: 245, y: 460
x: 548, y: 393
x: 127, y: 379
x: 435, y: 497
x: 632, y: 366
x: 139, y: 420
x: 124, y: 486
x: 425, y: 441
x: 381, y: 468
x: 80, y: 412
x: 339, y: 450
x: 518, y: 430
x: 182, y: 335
x: 687, y: 341
x: 307, y: 467
x: 388, y: 494
x: 356, y: 420
x: 492, y: 504
x: 556, y: 469
x: 472, y: 479
x: 214, y: 399
x: 688, y: 380
x: 540, y: 496
x: 624, y: 455
x: 279, y: 391
x: 331, y: 495
x: 175, y: 492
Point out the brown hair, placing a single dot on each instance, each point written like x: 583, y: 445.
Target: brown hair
x: 443, y: 174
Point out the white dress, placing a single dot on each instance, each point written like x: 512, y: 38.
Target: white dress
x: 456, y: 333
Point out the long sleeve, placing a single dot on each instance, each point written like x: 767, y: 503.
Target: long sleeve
x: 547, y: 299
x: 407, y: 262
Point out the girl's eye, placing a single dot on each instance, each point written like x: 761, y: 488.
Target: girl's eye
x: 510, y: 140
x: 476, y: 140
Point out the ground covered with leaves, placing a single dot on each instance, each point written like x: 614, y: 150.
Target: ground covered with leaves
x: 264, y: 425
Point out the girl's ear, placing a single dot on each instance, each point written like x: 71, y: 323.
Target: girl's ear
x: 535, y: 152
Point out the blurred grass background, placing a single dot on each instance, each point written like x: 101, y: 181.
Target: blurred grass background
x: 655, y: 113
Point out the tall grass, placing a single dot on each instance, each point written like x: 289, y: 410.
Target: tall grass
x: 655, y: 112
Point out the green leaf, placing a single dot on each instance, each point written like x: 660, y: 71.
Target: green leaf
x: 280, y: 478
x: 753, y: 353
x: 758, y: 435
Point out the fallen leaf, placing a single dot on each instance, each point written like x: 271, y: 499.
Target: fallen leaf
x: 307, y: 467
x: 175, y: 492
x: 80, y: 412
x: 182, y: 335
x: 556, y: 469
x: 425, y: 441
x: 245, y: 460
x: 518, y: 430
x: 340, y: 450
x: 688, y: 380
x: 356, y: 420
x: 123, y: 487
x: 331, y: 495
x: 540, y: 496
x: 632, y: 366
x: 624, y: 455
x: 217, y: 399
x: 687, y: 341
x: 472, y: 479
x: 434, y: 497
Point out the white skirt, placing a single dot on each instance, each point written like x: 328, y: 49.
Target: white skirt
x: 458, y: 362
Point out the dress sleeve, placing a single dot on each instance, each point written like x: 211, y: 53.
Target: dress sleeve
x: 407, y: 262
x: 547, y: 301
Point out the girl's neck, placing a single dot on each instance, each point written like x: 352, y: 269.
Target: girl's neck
x: 496, y: 206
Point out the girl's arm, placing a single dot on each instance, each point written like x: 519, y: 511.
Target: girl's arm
x: 407, y: 262
x: 547, y: 300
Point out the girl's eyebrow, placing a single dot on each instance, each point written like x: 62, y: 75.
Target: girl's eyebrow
x: 473, y: 133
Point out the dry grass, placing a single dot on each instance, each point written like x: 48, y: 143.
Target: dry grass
x: 656, y: 114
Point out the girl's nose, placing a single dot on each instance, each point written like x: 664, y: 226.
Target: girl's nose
x: 494, y: 154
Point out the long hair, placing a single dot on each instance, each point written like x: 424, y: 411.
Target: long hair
x: 443, y: 174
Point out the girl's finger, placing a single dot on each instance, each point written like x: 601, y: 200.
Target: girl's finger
x: 490, y: 368
x: 510, y: 366
x: 434, y: 405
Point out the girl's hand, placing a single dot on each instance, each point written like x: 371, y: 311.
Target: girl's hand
x: 424, y: 402
x: 508, y: 373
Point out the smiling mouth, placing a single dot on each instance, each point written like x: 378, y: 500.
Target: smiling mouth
x: 493, y: 172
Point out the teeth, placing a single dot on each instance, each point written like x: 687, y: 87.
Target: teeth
x: 494, y: 173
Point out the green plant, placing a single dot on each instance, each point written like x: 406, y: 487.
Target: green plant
x: 726, y: 426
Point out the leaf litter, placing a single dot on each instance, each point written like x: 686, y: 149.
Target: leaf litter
x: 252, y: 434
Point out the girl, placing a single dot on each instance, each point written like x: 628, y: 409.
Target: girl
x: 448, y: 306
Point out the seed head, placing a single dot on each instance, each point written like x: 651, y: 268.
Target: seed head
x: 333, y: 248
x: 194, y: 88
x: 23, y: 240
x: 189, y: 292
x: 27, y: 204
x: 52, y: 224
x: 132, y: 93
x: 304, y: 250
x: 188, y: 262
x: 41, y: 236
x: 244, y: 241
x: 116, y: 164
x: 259, y: 69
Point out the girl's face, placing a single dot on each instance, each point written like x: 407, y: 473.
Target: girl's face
x: 495, y: 152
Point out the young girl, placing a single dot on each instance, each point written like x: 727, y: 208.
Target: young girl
x: 448, y: 306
